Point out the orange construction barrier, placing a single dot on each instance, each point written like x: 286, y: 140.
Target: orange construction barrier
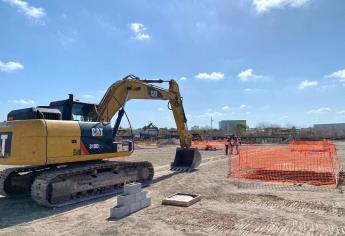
x: 209, y: 145
x: 313, y: 146
x: 298, y: 163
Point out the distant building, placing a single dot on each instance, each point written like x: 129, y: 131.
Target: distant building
x: 330, y: 130
x: 228, y: 126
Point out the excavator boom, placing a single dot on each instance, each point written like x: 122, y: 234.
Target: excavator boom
x: 132, y: 87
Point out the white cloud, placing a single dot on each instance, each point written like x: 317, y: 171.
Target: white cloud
x: 25, y: 8
x: 88, y: 96
x: 243, y: 106
x: 139, y: 30
x: 340, y: 75
x: 67, y: 38
x: 10, y: 66
x: 212, y: 114
x: 23, y: 101
x: 249, y: 90
x: 262, y: 6
x: 183, y: 78
x: 328, y: 86
x: 248, y: 74
x: 306, y: 83
x: 342, y: 112
x: 225, y: 108
x: 320, y: 110
x: 212, y: 76
x: 160, y: 109
x: 142, y: 36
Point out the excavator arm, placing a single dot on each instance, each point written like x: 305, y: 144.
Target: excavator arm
x: 132, y: 87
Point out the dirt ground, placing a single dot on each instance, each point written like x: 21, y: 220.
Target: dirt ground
x: 228, y: 207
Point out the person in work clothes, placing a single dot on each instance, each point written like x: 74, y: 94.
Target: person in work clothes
x: 237, y: 144
x: 227, y: 142
x: 232, y: 143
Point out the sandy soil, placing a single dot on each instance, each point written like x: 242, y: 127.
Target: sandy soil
x: 228, y: 207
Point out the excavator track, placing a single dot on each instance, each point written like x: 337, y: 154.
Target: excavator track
x: 73, y: 184
x: 4, y: 174
x: 17, y: 181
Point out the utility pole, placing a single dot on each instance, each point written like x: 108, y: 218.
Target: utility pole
x: 211, y: 122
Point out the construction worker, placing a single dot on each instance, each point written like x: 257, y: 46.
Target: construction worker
x: 232, y: 143
x: 227, y: 142
x: 238, y: 143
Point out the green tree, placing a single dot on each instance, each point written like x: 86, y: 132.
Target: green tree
x: 240, y: 129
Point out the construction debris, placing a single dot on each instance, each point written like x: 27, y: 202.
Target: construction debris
x: 209, y: 145
x: 181, y: 199
x: 132, y: 200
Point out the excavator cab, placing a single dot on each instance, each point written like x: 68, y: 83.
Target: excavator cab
x: 68, y: 109
x: 73, y: 109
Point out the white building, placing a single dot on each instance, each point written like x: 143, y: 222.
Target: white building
x: 228, y: 126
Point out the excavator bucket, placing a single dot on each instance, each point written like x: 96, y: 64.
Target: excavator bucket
x: 186, y: 159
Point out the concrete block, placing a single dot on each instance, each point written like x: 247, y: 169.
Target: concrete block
x: 145, y: 202
x: 119, y: 212
x: 140, y: 196
x: 136, y: 206
x: 131, y: 188
x: 126, y: 200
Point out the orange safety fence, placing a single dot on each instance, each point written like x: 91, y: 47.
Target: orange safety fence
x: 314, y: 146
x: 209, y: 145
x: 286, y: 165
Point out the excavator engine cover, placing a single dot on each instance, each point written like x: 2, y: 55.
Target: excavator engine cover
x: 186, y: 159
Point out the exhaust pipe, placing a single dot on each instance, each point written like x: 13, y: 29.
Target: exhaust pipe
x: 186, y: 159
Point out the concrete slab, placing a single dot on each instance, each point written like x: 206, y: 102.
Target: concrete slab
x: 131, y: 188
x: 145, y: 202
x: 119, y: 212
x: 126, y: 200
x: 140, y: 196
x: 134, y: 207
x: 181, y: 199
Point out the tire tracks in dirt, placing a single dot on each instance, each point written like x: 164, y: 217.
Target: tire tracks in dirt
x: 213, y: 222
x: 275, y: 202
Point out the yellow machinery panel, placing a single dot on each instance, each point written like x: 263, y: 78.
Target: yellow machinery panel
x: 63, y: 139
x: 23, y: 142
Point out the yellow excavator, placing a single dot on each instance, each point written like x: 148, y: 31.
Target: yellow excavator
x: 63, y: 149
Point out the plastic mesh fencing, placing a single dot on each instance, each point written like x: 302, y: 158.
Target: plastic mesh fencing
x: 297, y: 163
x: 313, y: 146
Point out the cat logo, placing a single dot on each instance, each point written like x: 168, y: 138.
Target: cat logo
x: 97, y: 132
x: 154, y: 93
x: 5, y: 144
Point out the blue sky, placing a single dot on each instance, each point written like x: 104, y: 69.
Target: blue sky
x: 276, y: 61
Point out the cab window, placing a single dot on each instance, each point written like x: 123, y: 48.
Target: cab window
x: 80, y: 112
